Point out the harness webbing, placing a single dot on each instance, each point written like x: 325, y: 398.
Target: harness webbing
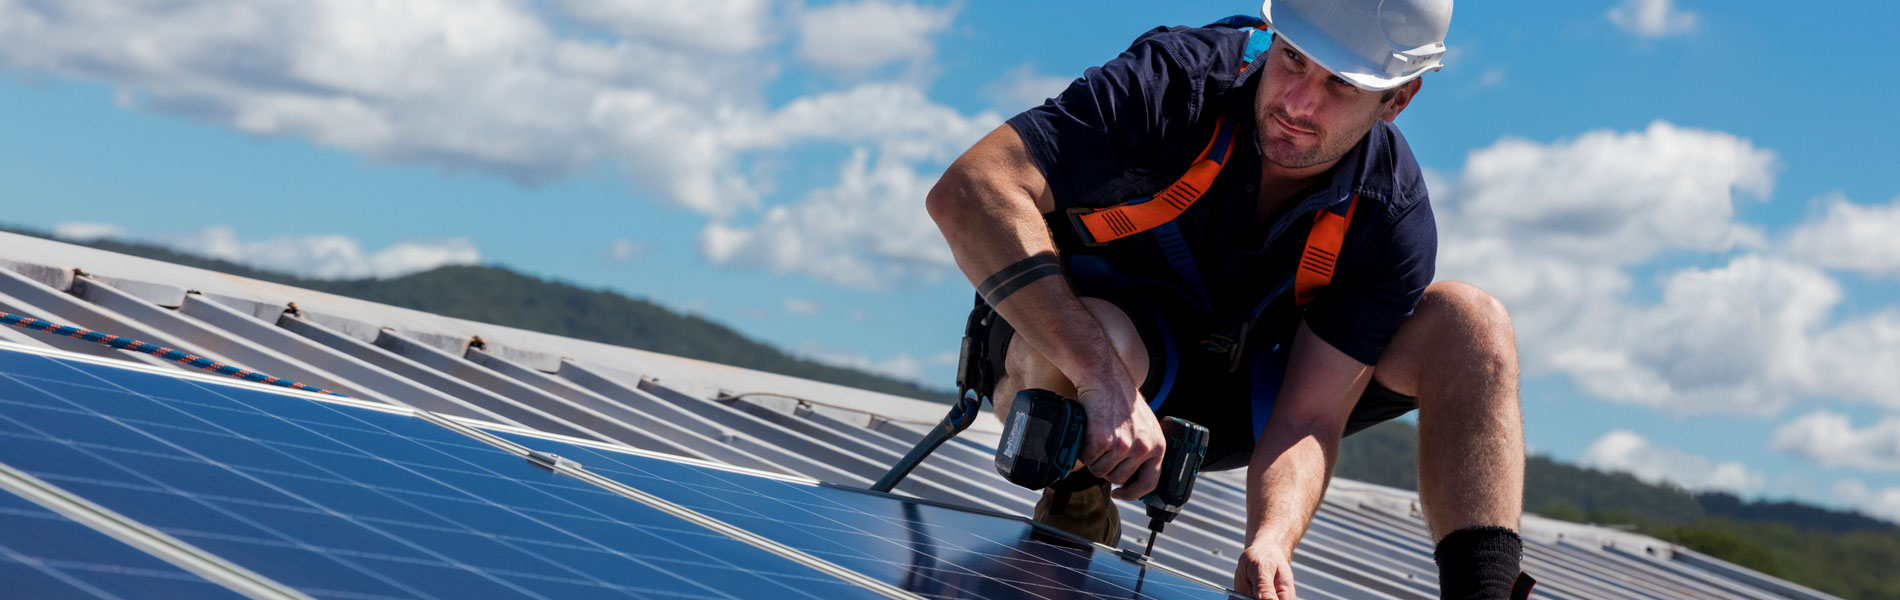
x: 1106, y: 225
x: 1322, y: 251
x: 1318, y: 260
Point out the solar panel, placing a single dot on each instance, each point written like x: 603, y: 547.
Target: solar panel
x: 928, y: 549
x: 43, y: 554
x: 345, y: 502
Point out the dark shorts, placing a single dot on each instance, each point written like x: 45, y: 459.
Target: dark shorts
x: 1192, y: 383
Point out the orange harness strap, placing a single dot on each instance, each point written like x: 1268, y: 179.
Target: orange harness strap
x: 1104, y: 225
x: 1322, y: 252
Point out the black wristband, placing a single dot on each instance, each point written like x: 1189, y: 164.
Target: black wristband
x: 1016, y: 276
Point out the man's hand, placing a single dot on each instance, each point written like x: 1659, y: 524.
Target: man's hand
x: 1124, y: 444
x: 1265, y: 573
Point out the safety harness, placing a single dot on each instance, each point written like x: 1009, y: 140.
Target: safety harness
x: 1100, y: 226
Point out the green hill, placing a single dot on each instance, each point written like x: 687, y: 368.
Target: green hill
x: 1839, y: 552
x: 497, y: 295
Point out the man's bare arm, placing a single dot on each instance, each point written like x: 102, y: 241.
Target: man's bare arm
x: 989, y: 205
x: 1293, y: 460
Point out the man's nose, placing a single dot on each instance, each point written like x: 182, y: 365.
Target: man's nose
x: 1306, y: 94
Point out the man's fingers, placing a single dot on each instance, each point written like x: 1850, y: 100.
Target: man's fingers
x: 1125, y: 471
x: 1093, y: 449
x: 1255, y: 582
x: 1106, y: 466
x: 1244, y: 581
x: 1264, y: 591
x: 1147, y: 474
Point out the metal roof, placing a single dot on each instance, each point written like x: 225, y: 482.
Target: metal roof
x: 1366, y: 541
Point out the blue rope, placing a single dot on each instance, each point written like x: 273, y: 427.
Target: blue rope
x: 180, y: 357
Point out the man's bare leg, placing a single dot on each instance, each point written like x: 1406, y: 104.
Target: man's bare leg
x: 1087, y: 513
x: 1458, y: 355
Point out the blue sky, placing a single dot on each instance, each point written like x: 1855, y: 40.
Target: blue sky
x: 1687, y: 206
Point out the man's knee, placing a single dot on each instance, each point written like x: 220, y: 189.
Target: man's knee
x: 1466, y: 311
x: 1455, y: 328
x: 1026, y: 367
x: 1123, y: 334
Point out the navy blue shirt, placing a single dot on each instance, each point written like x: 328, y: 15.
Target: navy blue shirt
x: 1131, y: 127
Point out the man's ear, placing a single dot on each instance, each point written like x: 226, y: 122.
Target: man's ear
x: 1401, y: 98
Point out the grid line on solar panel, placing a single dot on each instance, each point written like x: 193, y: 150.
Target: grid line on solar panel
x: 928, y: 549
x: 166, y: 440
x: 44, y: 554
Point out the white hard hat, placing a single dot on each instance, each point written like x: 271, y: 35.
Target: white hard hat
x: 1372, y: 44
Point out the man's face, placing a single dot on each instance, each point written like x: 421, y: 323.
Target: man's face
x: 1308, y: 117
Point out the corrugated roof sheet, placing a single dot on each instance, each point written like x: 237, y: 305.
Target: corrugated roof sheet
x: 1365, y: 542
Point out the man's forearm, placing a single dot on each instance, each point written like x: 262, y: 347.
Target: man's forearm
x: 1286, y: 480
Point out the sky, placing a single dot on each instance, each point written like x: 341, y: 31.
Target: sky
x: 1685, y: 205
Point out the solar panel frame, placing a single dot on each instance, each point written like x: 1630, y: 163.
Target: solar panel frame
x: 45, y: 553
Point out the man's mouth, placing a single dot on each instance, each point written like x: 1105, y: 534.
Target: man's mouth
x: 1291, y: 128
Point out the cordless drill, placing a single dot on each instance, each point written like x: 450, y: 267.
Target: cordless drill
x: 1043, y: 436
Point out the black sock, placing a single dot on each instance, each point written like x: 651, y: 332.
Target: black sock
x: 1478, y: 563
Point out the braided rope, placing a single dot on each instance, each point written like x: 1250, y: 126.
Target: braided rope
x: 180, y: 357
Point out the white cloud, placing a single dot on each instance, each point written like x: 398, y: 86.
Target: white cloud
x: 1854, y: 237
x: 625, y: 250
x: 1830, y: 439
x: 324, y: 256
x: 1883, y: 503
x: 318, y: 256
x: 1022, y: 88
x: 1652, y: 18
x: 1617, y: 197
x: 88, y: 231
x: 801, y: 307
x: 1623, y: 450
x: 721, y: 25
x: 491, y: 85
x: 1492, y: 77
x: 868, y: 232
x: 1554, y: 229
x: 903, y: 366
x: 852, y: 38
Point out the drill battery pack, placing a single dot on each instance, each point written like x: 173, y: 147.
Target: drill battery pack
x: 1042, y: 438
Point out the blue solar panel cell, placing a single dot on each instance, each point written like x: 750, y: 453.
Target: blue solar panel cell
x: 345, y: 502
x: 45, y: 555
x: 930, y: 550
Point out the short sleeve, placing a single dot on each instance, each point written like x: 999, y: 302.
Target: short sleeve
x: 1377, y: 285
x: 1110, y: 121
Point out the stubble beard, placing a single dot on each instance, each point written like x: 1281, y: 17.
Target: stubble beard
x: 1284, y: 154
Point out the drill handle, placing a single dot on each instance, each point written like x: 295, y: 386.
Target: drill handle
x: 1180, y: 465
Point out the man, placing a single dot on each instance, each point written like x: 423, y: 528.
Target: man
x: 1231, y: 308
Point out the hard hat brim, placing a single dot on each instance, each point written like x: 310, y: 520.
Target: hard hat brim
x: 1334, y: 57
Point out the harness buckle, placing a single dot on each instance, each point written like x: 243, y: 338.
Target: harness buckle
x: 1233, y: 346
x: 1075, y: 214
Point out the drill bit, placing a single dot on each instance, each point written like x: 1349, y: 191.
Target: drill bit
x: 1151, y: 545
